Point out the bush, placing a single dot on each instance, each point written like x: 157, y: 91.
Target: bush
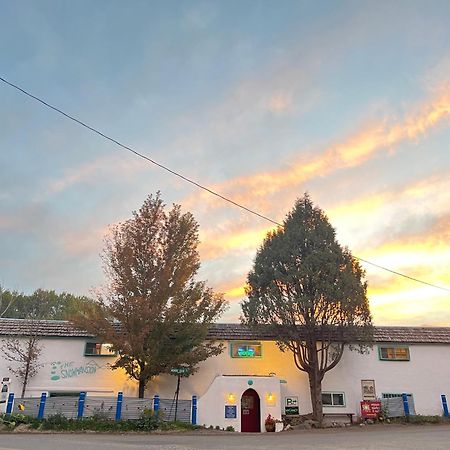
x: 148, y: 421
x: 229, y: 428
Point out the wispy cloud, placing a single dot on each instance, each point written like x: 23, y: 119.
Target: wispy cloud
x: 96, y: 171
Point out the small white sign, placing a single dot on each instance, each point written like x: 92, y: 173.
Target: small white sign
x: 290, y: 401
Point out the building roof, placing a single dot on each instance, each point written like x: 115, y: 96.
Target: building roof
x: 225, y: 331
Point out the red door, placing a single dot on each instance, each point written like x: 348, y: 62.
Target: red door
x: 250, y: 412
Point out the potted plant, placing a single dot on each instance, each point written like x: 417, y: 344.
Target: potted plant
x: 270, y: 423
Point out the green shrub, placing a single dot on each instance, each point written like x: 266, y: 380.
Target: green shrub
x: 229, y: 428
x: 419, y: 419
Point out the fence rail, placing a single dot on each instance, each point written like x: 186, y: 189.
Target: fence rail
x: 118, y: 408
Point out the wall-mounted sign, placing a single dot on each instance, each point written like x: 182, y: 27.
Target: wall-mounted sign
x: 230, y: 411
x: 69, y: 369
x: 291, y: 406
x: 368, y: 390
x: 245, y: 349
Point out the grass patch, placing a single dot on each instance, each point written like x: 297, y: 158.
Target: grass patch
x: 148, y: 422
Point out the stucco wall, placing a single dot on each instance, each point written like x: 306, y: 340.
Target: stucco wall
x: 426, y: 375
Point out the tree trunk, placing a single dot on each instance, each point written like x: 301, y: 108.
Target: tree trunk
x: 25, y: 378
x: 315, y: 389
x: 142, y: 384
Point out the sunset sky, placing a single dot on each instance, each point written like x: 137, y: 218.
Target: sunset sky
x: 258, y: 100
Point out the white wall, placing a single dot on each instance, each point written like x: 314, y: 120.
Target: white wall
x: 211, y: 405
x: 426, y: 376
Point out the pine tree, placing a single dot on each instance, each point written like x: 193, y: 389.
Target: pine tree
x: 312, y: 291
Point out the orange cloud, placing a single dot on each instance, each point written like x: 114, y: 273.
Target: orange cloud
x: 353, y: 151
x: 237, y: 239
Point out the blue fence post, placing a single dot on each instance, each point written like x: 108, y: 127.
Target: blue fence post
x: 42, y: 405
x: 119, y: 406
x: 194, y: 410
x: 81, y: 401
x: 156, y: 404
x: 444, y: 405
x: 405, y: 405
x: 9, y: 405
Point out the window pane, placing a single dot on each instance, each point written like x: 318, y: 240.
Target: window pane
x: 98, y: 349
x: 338, y: 399
x: 326, y: 400
x: 401, y: 353
x: 395, y: 353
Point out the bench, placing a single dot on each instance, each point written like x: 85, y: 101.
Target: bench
x: 349, y: 415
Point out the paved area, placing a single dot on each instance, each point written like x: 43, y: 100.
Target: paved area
x: 387, y: 437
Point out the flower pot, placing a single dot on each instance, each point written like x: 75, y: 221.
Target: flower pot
x: 270, y: 427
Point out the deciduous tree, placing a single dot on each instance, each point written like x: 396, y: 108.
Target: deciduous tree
x: 153, y: 312
x: 23, y: 354
x: 312, y: 291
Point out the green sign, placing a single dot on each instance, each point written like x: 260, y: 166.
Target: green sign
x: 179, y: 371
x: 291, y: 410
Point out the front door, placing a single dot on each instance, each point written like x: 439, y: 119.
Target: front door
x: 250, y: 412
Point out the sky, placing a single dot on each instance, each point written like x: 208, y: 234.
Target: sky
x: 260, y: 101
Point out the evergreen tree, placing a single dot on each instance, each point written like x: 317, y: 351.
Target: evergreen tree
x: 312, y: 291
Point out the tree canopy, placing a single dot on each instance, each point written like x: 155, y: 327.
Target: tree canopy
x: 41, y: 304
x: 153, y: 311
x: 303, y: 280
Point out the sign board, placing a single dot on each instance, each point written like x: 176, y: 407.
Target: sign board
x: 230, y: 411
x: 291, y: 406
x: 179, y: 371
x: 370, y: 409
x: 368, y: 390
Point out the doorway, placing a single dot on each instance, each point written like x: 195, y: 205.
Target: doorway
x: 250, y: 412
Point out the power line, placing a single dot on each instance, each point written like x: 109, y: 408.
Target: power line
x: 189, y: 180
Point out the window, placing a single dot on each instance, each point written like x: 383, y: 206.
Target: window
x: 333, y: 399
x: 245, y: 350
x: 98, y: 349
x: 393, y: 353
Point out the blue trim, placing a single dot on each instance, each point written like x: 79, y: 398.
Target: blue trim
x: 194, y: 410
x: 9, y: 405
x: 42, y: 405
x: 405, y: 404
x: 81, y: 401
x: 119, y: 405
x: 156, y: 404
x: 444, y: 405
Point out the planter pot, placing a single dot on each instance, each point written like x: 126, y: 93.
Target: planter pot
x: 270, y: 427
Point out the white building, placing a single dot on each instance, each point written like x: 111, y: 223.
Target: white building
x: 251, y: 378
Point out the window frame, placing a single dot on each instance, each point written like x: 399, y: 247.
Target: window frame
x: 94, y: 355
x: 334, y: 393
x: 394, y: 347
x: 234, y: 344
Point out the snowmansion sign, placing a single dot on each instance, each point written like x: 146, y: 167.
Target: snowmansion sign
x: 69, y: 369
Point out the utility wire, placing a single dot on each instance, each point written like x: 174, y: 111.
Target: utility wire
x: 189, y: 180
